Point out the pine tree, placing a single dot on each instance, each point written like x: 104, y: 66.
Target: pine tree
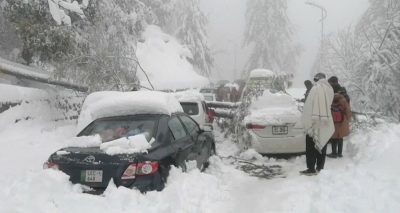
x: 185, y: 20
x: 268, y: 32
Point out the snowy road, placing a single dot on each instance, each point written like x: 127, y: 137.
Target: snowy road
x: 365, y: 180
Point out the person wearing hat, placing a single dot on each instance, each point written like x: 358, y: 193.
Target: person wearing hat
x: 337, y: 88
x: 317, y: 122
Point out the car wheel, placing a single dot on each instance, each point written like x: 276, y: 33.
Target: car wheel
x: 182, y: 166
x: 204, y: 156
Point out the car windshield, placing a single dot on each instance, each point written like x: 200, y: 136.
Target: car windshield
x: 113, y: 128
x: 190, y: 108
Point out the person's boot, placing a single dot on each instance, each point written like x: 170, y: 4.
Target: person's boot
x: 340, y: 148
x: 334, y: 150
x: 332, y: 155
x: 309, y: 172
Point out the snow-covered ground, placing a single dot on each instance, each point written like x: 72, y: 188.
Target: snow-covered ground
x: 365, y: 180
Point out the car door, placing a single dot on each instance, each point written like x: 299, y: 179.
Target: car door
x: 193, y: 130
x: 181, y: 141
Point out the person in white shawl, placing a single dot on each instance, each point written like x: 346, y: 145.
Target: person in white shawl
x: 317, y: 122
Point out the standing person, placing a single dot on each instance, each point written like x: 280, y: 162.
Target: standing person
x: 318, y: 124
x: 341, y: 113
x: 308, y: 85
x: 337, y: 88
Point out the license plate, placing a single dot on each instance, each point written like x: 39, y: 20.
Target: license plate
x: 92, y: 175
x: 280, y: 130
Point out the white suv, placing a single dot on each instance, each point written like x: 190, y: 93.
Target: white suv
x: 194, y: 105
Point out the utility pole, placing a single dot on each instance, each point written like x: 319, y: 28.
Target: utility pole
x: 324, y: 13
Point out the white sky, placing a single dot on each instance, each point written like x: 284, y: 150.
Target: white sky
x: 227, y: 21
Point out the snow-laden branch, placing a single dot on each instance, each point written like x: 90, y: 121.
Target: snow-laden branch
x: 59, y: 10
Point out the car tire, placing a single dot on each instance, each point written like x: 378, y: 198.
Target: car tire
x: 182, y: 166
x: 204, y: 156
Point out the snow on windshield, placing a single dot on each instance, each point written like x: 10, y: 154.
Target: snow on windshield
x: 125, y: 145
x: 111, y: 103
x: 132, y: 144
x: 273, y: 108
x: 84, y: 141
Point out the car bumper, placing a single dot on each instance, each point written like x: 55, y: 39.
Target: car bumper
x: 279, y: 145
x: 141, y: 183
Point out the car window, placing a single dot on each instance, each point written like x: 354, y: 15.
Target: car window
x: 207, y: 91
x: 176, y: 128
x: 190, y: 124
x: 190, y: 108
x: 116, y: 127
x: 208, y: 97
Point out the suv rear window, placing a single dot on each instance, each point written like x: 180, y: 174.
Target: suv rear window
x: 190, y: 108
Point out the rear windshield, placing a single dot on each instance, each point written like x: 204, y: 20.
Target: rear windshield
x: 208, y: 98
x: 190, y: 108
x: 207, y: 91
x: 113, y: 128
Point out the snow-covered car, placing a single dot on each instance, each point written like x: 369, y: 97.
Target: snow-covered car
x: 131, y: 138
x: 271, y: 124
x: 269, y: 116
x: 193, y: 104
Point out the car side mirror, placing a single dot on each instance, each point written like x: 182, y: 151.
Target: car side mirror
x: 206, y: 128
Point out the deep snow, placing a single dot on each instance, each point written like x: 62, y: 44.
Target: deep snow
x: 365, y: 180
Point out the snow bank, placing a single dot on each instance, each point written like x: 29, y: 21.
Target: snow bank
x: 165, y: 62
x: 134, y: 144
x: 14, y: 94
x: 273, y: 108
x: 112, y: 103
x: 366, y: 179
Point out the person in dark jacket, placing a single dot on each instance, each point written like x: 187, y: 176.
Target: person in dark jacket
x: 334, y: 81
x: 308, y: 85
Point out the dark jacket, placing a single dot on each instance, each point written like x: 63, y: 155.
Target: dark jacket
x: 337, y: 88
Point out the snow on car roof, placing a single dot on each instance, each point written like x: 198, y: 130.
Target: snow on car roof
x: 256, y: 73
x: 232, y: 85
x: 189, y: 96
x: 273, y: 108
x: 112, y: 103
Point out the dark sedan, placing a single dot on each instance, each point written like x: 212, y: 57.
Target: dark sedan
x: 175, y: 139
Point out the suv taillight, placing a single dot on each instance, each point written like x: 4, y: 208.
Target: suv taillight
x: 255, y: 126
x: 49, y: 165
x: 145, y: 168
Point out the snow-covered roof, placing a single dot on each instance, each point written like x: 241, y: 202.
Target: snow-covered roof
x: 232, y: 85
x: 257, y: 73
x: 189, y: 96
x: 111, y: 103
x: 273, y: 108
